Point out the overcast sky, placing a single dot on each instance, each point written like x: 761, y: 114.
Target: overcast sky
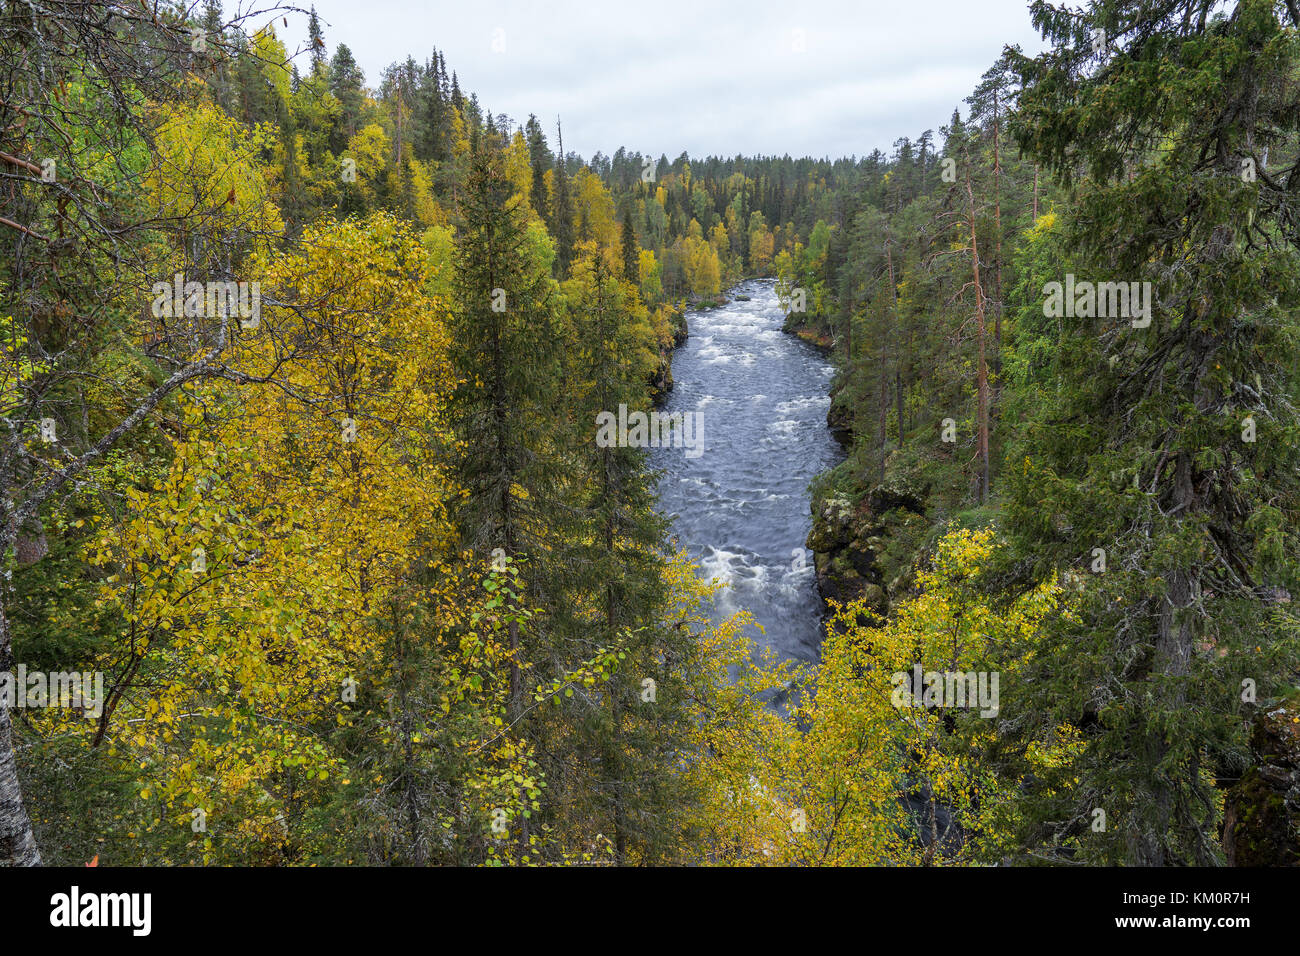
x: 808, y: 77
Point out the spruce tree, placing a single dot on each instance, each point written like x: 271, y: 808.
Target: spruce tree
x: 625, y: 733
x: 504, y: 337
x: 316, y: 42
x: 562, y: 213
x: 631, y: 251
x: 346, y: 85
x: 539, y: 159
x: 1158, y: 468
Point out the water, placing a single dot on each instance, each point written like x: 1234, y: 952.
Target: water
x: 741, y: 509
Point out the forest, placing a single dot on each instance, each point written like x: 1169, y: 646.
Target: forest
x: 312, y: 556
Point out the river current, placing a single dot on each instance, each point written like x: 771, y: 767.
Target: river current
x: 740, y: 508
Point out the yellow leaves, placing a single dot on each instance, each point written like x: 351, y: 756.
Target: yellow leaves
x: 518, y: 168
x: 703, y: 271
x: 595, y: 209
x: 829, y: 793
x: 1042, y: 225
x: 203, y: 158
x: 369, y: 148
x: 308, y: 540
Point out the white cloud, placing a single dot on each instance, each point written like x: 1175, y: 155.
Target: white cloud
x: 696, y: 75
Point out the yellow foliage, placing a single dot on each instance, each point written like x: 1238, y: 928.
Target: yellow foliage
x: 595, y: 210
x: 870, y: 776
x: 256, y: 574
x: 203, y: 158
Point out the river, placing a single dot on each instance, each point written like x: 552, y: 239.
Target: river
x: 741, y: 508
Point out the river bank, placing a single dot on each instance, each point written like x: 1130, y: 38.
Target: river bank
x: 869, y: 527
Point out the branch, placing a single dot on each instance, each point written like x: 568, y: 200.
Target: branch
x: 13, y: 225
x: 15, y: 161
x: 204, y: 367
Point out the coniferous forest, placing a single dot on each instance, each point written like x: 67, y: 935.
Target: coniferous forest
x: 331, y: 526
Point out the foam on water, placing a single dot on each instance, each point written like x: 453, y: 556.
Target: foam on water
x: 741, y: 508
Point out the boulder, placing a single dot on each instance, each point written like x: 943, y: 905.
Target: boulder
x: 1261, y: 824
x: 891, y: 495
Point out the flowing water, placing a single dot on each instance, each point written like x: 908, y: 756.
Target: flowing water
x: 741, y: 508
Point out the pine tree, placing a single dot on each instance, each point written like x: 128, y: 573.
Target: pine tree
x: 981, y: 366
x: 990, y: 103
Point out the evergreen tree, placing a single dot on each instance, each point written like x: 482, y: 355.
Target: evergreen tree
x: 631, y: 251
x: 214, y: 30
x: 539, y: 158
x: 346, y: 85
x: 562, y: 214
x: 504, y: 335
x: 626, y: 735
x: 316, y: 42
x: 1160, y: 461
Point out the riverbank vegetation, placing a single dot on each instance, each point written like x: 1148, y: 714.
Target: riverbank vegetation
x: 1135, y: 447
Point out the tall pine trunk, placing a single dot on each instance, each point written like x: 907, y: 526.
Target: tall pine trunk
x: 997, y: 238
x: 983, y: 374
x: 898, y: 356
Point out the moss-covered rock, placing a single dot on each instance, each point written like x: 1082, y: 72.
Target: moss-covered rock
x: 661, y: 382
x: 1261, y: 825
x: 865, y: 548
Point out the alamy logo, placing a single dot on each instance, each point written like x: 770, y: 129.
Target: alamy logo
x: 103, y: 909
x: 946, y: 689
x: 1102, y: 300
x: 639, y: 430
x: 24, y: 689
x: 212, y: 299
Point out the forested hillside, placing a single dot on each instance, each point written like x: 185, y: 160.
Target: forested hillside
x: 301, y: 380
x: 1068, y: 384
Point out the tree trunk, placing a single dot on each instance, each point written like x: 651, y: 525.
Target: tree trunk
x: 983, y: 379
x: 997, y: 238
x: 17, y: 842
x: 1175, y: 640
x: 882, y: 437
x: 898, y: 357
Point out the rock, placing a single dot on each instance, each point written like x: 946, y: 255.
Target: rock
x: 832, y: 525
x: 1261, y: 824
x: 838, y: 580
x: 863, y: 561
x: 839, y: 419
x: 845, y: 572
x: 887, y: 497
x: 661, y: 382
x: 681, y: 331
x: 865, y: 548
